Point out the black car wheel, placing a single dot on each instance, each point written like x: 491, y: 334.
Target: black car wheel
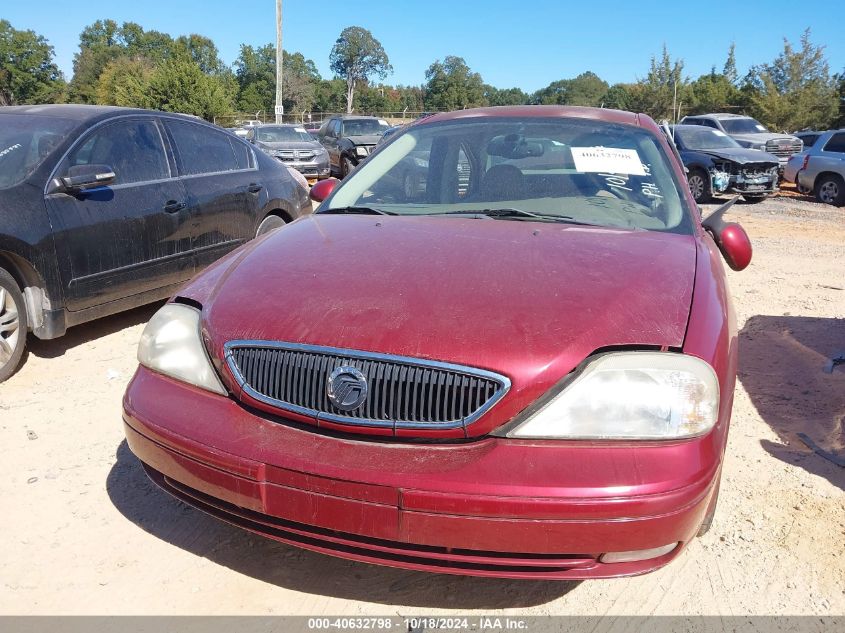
x: 346, y: 167
x: 270, y: 223
x: 699, y: 185
x: 13, y: 325
x: 830, y: 190
x: 754, y: 199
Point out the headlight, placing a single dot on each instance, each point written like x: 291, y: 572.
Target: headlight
x: 361, y: 151
x: 171, y: 344
x: 630, y: 396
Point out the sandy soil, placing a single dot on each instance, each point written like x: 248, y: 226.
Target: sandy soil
x: 85, y: 532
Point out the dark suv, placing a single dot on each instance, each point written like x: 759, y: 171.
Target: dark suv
x: 349, y: 140
x: 104, y: 209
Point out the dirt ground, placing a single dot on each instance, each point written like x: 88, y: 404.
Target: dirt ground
x: 84, y: 531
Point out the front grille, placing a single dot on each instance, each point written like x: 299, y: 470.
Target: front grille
x: 295, y: 155
x: 401, y: 392
x: 784, y: 147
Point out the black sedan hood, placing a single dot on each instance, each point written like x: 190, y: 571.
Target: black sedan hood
x: 741, y: 155
x: 365, y: 139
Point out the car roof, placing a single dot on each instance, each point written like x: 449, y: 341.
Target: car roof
x: 84, y: 113
x: 350, y: 117
x: 599, y: 114
x: 719, y: 115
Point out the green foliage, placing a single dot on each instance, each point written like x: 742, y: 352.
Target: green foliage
x: 796, y: 90
x: 712, y: 93
x: 662, y: 89
x: 125, y: 82
x: 587, y: 89
x: 451, y: 85
x: 180, y: 85
x: 356, y: 56
x: 27, y: 71
x: 505, y: 97
x: 618, y: 97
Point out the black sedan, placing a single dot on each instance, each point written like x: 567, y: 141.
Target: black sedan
x: 295, y: 147
x: 718, y: 164
x: 104, y: 209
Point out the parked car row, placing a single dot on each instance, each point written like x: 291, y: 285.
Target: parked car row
x: 104, y: 209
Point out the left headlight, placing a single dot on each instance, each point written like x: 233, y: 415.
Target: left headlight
x: 171, y: 344
x: 630, y: 396
x: 361, y: 150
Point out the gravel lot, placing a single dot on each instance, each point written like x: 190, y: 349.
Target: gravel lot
x: 84, y: 531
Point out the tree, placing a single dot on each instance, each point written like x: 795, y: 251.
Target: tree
x: 729, y: 71
x: 587, y: 89
x: 125, y: 82
x: 796, y: 90
x: 27, y: 71
x: 618, y: 97
x: 179, y: 85
x: 505, y: 97
x: 355, y: 57
x: 202, y: 51
x: 451, y: 85
x: 255, y: 72
x: 662, y: 90
x: 713, y: 92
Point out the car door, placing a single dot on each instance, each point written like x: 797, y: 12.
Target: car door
x: 330, y: 141
x: 225, y: 191
x: 127, y: 238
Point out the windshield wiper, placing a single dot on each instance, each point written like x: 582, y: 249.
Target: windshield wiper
x: 360, y: 210
x: 510, y: 212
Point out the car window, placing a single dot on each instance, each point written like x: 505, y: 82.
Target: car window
x: 364, y: 127
x: 809, y: 139
x: 587, y: 171
x: 281, y: 134
x: 699, y: 138
x: 25, y: 141
x: 203, y: 150
x: 836, y: 143
x: 133, y: 149
x: 743, y: 126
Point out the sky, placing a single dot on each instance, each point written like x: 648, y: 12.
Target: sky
x: 524, y: 44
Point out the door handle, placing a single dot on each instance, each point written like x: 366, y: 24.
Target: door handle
x: 254, y: 187
x: 172, y: 206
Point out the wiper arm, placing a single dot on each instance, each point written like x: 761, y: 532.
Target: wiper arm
x: 510, y: 212
x: 359, y: 210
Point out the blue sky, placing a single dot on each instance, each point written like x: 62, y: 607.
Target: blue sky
x: 525, y: 44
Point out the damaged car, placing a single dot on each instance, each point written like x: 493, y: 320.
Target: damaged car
x: 526, y: 370
x: 717, y: 164
x: 294, y: 147
x: 349, y: 140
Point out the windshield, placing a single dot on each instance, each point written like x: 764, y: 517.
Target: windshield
x: 522, y: 169
x: 696, y: 137
x: 25, y: 141
x: 281, y: 133
x: 743, y: 126
x: 364, y: 127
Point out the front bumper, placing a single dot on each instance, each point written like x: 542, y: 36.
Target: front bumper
x: 494, y: 507
x: 312, y: 170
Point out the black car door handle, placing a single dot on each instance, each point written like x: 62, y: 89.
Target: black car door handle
x: 172, y: 206
x: 254, y: 188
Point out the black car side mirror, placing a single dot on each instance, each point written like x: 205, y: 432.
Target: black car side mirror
x: 81, y: 177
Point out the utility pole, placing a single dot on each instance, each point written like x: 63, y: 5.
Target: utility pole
x: 279, y: 59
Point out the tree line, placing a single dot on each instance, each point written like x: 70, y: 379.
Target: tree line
x: 128, y: 66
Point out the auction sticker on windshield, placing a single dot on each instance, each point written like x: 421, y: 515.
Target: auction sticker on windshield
x: 607, y: 159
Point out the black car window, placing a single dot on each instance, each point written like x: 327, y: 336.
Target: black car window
x: 203, y: 150
x: 133, y: 149
x: 25, y: 142
x: 243, y: 155
x: 836, y: 143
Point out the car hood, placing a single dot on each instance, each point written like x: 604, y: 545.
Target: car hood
x: 365, y: 139
x: 525, y: 299
x: 312, y: 145
x: 741, y: 155
x: 763, y: 137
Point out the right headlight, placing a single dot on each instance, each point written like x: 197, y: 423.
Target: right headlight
x: 171, y: 344
x: 630, y: 396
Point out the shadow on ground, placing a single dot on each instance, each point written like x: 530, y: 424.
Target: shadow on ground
x: 156, y: 512
x: 87, y: 332
x: 781, y: 365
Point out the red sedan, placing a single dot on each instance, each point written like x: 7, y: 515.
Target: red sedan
x: 521, y: 365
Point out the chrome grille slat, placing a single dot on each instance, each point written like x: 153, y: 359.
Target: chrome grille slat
x: 402, y: 392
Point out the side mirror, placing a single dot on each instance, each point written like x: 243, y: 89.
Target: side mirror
x: 730, y: 237
x: 81, y: 177
x: 323, y: 189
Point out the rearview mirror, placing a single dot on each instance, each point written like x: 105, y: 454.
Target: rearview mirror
x: 514, y: 147
x: 81, y: 177
x: 323, y: 189
x: 730, y: 237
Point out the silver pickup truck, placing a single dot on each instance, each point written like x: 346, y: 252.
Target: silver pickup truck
x: 821, y: 168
